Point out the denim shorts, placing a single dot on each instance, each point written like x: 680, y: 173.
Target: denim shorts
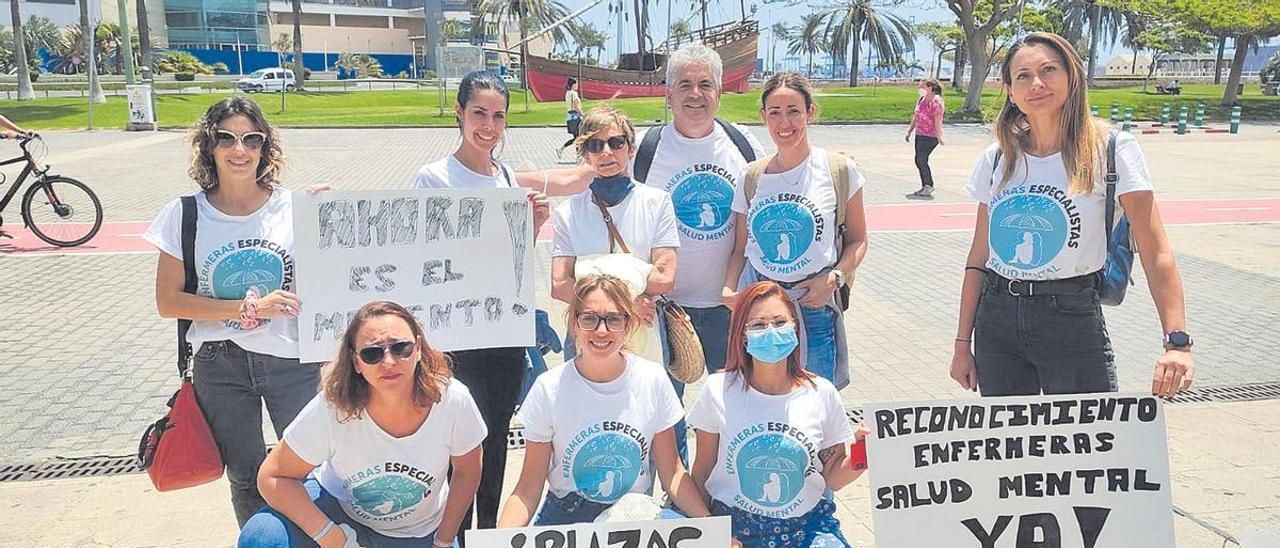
x: 1053, y: 341
x: 571, y: 508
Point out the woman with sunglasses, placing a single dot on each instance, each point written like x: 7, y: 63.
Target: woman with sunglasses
x: 619, y: 227
x: 788, y: 229
x: 771, y: 480
x: 594, y: 425
x: 393, y: 441
x: 244, y: 311
x: 1030, y: 317
x: 494, y: 375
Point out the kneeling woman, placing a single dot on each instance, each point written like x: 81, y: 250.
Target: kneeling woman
x: 383, y: 434
x: 772, y: 484
x: 593, y: 425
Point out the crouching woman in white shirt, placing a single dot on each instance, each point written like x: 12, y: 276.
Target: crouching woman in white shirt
x: 593, y: 425
x: 772, y: 437
x: 380, y: 439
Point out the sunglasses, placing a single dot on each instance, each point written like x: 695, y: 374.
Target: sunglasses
x: 596, y: 146
x: 590, y: 321
x: 374, y: 353
x: 252, y: 140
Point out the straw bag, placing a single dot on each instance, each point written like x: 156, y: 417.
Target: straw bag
x: 687, y: 362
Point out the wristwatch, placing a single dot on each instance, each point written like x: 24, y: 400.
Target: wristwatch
x: 839, y: 276
x: 1177, y: 340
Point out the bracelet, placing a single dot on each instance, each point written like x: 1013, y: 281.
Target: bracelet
x: 977, y: 268
x: 323, y: 531
x: 958, y: 339
x: 437, y: 544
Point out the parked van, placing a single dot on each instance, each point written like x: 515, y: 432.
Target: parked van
x: 267, y: 79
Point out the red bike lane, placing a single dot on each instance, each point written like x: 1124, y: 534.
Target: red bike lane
x: 126, y: 237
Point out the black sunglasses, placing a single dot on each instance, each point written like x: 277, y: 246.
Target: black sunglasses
x: 252, y: 140
x: 374, y: 353
x: 595, y: 146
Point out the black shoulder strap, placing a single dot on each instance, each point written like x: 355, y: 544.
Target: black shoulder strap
x: 995, y: 163
x: 1111, y: 180
x: 739, y: 140
x: 648, y: 147
x: 189, y: 278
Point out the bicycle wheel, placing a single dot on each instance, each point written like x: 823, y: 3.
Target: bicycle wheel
x: 62, y: 211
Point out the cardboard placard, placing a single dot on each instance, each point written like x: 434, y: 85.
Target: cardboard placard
x: 670, y: 533
x: 460, y: 259
x: 1045, y: 472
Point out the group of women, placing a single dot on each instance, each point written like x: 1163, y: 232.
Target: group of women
x: 394, y: 442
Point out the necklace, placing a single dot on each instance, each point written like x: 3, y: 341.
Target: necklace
x: 801, y: 171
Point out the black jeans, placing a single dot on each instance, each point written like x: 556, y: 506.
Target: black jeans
x: 493, y: 376
x: 1052, y: 342
x: 924, y: 147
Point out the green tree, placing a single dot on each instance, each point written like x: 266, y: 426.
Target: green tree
x: 851, y: 22
x: 178, y: 61
x: 809, y: 38
x: 980, y: 19
x: 781, y: 33
x: 943, y: 37
x: 362, y: 65
x: 25, y: 92
x: 532, y: 15
x: 1164, y: 37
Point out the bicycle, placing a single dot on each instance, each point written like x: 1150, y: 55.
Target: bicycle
x: 59, y: 210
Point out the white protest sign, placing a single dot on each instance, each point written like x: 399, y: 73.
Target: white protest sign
x: 670, y: 533
x: 460, y: 260
x: 1055, y: 471
x: 1254, y: 537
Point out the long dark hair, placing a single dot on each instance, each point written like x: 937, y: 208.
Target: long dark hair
x: 736, y: 356
x: 348, y: 392
x: 202, y: 136
x: 480, y: 80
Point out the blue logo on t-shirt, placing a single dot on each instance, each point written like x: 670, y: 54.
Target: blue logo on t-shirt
x: 784, y: 231
x: 606, y: 467
x: 1028, y: 231
x: 245, y: 268
x: 387, y: 495
x: 771, y: 469
x: 702, y: 201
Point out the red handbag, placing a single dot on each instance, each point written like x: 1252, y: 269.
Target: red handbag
x: 179, y: 451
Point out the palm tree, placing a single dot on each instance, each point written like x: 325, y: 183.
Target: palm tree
x: 95, y: 87
x: 851, y: 22
x: 299, y: 71
x: 585, y: 38
x: 530, y: 15
x: 679, y: 31
x: 144, y: 34
x: 808, y: 39
x: 781, y: 32
x: 25, y: 92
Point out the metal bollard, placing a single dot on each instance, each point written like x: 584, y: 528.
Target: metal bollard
x: 1115, y: 112
x: 1093, y: 109
x: 1164, y: 115
x: 1200, y: 115
x: 1128, y: 119
x: 1182, y: 120
x: 1235, y: 120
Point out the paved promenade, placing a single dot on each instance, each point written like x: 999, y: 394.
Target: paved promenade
x: 85, y: 363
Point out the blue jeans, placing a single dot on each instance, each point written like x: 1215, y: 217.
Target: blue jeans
x: 820, y: 341
x: 572, y: 508
x: 231, y: 385
x: 270, y: 529
x: 1046, y: 343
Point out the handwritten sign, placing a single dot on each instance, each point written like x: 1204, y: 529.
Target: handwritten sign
x: 461, y: 260
x: 674, y: 533
x: 1027, y: 472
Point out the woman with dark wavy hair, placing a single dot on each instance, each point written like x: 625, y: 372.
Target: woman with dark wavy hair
x: 244, y: 311
x: 379, y: 442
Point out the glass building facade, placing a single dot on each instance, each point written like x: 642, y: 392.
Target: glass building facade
x: 217, y: 24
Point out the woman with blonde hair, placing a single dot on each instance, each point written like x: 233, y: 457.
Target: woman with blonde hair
x: 1030, y: 314
x: 393, y: 441
x: 594, y: 426
x: 243, y: 312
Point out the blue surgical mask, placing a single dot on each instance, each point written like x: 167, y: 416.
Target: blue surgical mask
x: 772, y: 345
x: 611, y: 190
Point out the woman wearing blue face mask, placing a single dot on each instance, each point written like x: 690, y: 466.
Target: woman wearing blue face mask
x: 771, y: 481
x: 617, y: 228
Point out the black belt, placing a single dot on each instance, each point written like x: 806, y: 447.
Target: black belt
x: 792, y: 285
x: 1036, y: 288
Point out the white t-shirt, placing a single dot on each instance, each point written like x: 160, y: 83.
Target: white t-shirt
x: 767, y: 461
x: 449, y: 172
x: 600, y: 433
x: 644, y: 218
x: 1037, y: 230
x: 791, y: 222
x: 700, y: 175
x: 395, y: 486
x: 234, y: 254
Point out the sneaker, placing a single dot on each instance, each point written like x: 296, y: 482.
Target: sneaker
x: 924, y: 192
